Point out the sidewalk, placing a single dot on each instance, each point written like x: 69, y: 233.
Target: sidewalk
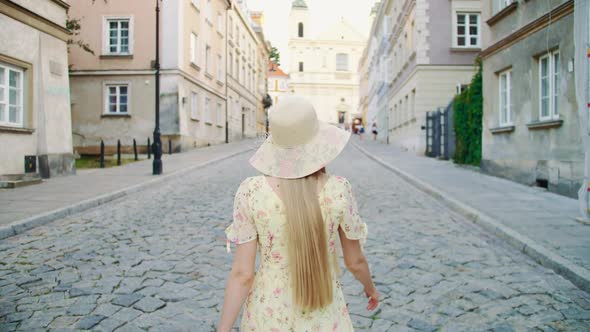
x: 539, y: 223
x: 27, y: 207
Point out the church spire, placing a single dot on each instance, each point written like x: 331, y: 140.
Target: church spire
x: 299, y: 4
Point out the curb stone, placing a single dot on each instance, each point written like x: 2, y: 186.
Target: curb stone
x: 23, y: 225
x: 578, y: 275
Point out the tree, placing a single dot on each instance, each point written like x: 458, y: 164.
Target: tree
x: 275, y: 56
x: 73, y: 24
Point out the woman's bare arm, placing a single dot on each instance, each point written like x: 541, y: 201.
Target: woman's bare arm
x: 356, y: 263
x: 238, y: 284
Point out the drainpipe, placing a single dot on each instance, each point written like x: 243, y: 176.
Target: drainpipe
x: 226, y: 74
x: 582, y: 82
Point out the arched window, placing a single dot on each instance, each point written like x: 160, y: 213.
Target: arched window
x: 300, y: 30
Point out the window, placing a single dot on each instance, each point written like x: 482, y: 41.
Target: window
x: 11, y: 96
x: 406, y: 109
x: 194, y: 106
x: 194, y: 48
x: 219, y: 115
x: 505, y: 98
x: 117, y: 99
x: 341, y: 62
x: 118, y: 36
x: 208, y: 59
x: 208, y: 17
x: 501, y: 4
x: 301, y: 66
x: 300, y: 30
x: 413, y: 101
x: 231, y: 63
x: 219, y: 68
x: 467, y: 31
x: 219, y: 23
x: 276, y: 85
x: 549, y: 70
x: 231, y: 26
x: 207, y: 115
x: 237, y: 74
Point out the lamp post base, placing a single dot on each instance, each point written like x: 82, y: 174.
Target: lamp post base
x: 157, y: 167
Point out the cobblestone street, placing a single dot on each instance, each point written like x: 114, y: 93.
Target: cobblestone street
x: 156, y: 260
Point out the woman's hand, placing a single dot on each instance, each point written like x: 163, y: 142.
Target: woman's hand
x: 373, y: 295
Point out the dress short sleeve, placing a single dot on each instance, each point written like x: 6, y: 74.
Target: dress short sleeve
x: 354, y: 228
x: 242, y: 229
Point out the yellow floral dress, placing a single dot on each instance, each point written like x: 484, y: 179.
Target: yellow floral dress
x: 258, y: 215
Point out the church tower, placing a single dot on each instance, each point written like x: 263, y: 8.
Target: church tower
x: 299, y: 20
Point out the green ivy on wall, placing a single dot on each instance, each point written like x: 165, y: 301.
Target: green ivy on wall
x: 468, y: 112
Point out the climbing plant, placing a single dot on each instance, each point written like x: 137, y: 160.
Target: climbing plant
x: 468, y: 114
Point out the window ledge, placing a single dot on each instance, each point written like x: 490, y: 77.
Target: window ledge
x: 219, y: 126
x: 195, y: 7
x: 230, y: 41
x: 16, y: 130
x: 209, y: 76
x: 503, y: 13
x: 502, y: 130
x: 195, y: 119
x: 209, y: 123
x: 465, y: 49
x: 195, y: 66
x: 116, y: 56
x: 109, y: 115
x: 220, y: 83
x: 220, y: 33
x: 545, y: 124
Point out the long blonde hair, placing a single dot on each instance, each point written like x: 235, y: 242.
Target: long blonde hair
x: 307, y: 246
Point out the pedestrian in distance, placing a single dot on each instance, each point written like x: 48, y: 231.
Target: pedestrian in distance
x: 361, y: 130
x: 294, y: 214
x: 374, y: 131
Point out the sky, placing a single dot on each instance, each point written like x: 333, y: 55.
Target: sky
x: 323, y: 14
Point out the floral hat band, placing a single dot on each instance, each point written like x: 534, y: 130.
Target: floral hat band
x: 299, y: 144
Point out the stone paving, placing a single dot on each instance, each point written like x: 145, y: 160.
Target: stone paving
x: 155, y: 260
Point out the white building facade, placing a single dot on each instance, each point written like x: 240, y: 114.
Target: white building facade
x: 278, y: 83
x: 419, y: 52
x: 323, y: 69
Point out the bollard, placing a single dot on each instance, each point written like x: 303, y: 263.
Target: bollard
x: 169, y: 146
x: 149, y: 148
x: 118, y: 152
x: 135, y: 149
x: 101, y: 154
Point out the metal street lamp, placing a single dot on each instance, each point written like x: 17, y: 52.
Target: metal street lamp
x: 157, y: 145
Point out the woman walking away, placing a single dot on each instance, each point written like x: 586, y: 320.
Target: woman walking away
x: 361, y: 130
x: 294, y: 214
x: 374, y: 130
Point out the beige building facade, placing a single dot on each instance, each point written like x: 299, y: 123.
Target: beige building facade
x: 278, y: 83
x: 323, y: 67
x: 261, y: 74
x: 419, y: 53
x: 113, y: 91
x: 242, y: 96
x: 34, y: 89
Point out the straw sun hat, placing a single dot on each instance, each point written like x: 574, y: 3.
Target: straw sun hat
x: 299, y: 144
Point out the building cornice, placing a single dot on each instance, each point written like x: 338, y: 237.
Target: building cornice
x: 62, y: 4
x: 33, y: 20
x: 540, y: 23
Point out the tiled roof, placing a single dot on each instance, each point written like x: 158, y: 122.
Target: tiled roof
x: 275, y: 70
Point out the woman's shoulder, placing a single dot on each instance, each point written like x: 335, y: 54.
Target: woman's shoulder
x: 250, y: 183
x: 340, y: 182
